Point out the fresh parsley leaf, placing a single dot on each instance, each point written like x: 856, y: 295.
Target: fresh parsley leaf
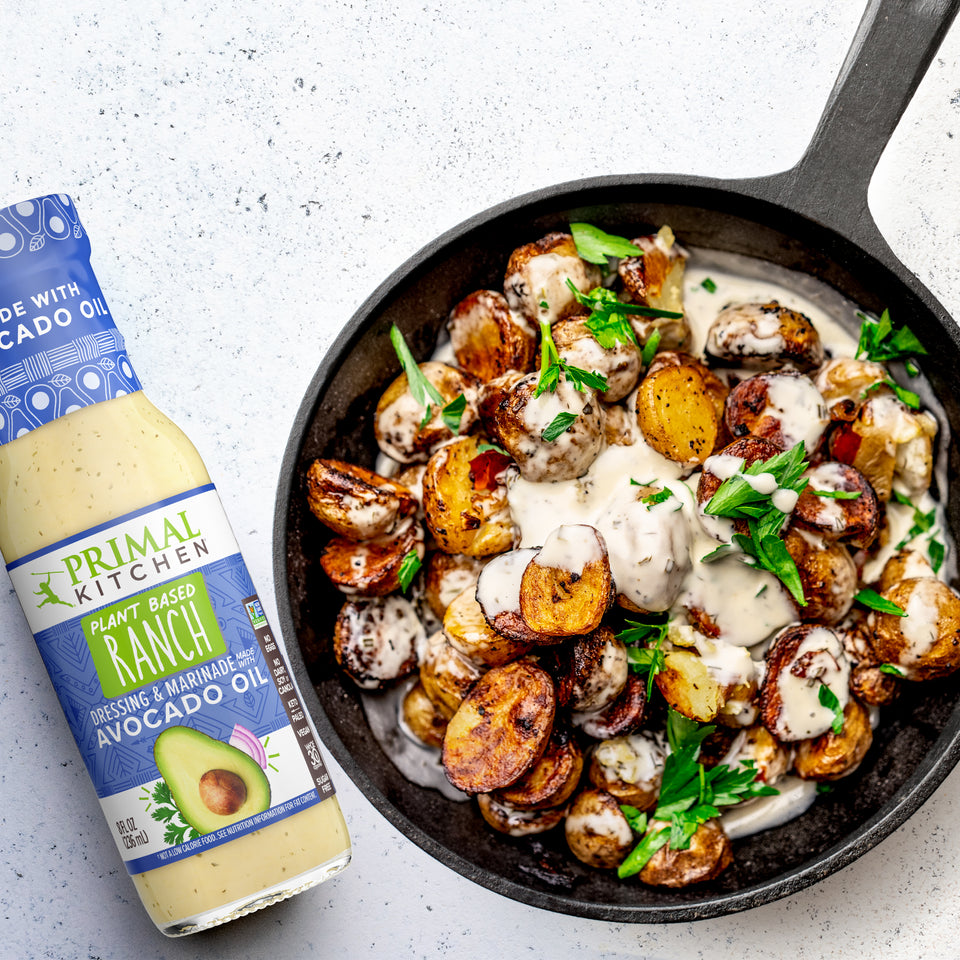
x: 409, y: 566
x: 642, y: 853
x: 163, y: 814
x: 891, y: 669
x: 484, y: 447
x: 652, y: 499
x: 823, y: 788
x: 552, y: 364
x: 641, y: 657
x: 724, y: 550
x: 452, y: 413
x: 421, y: 389
x: 636, y: 818
x: 922, y: 522
x: 879, y: 342
x: 559, y: 425
x: 708, y: 285
x: 873, y: 600
x: 161, y: 793
x: 604, y: 300
x: 595, y: 245
x: 829, y: 700
x: 907, y: 397
x: 838, y: 494
x: 650, y: 348
x: 936, y: 552
x: 581, y: 378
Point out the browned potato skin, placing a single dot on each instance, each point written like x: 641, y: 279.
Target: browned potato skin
x: 828, y: 576
x: 566, y: 603
x: 605, y: 850
x: 552, y: 780
x: 446, y: 674
x: 890, y: 646
x: 358, y: 659
x: 834, y: 755
x: 687, y: 686
x: 642, y: 795
x: 505, y: 818
x: 801, y: 342
x: 870, y: 685
x: 468, y: 631
x: 709, y: 854
x: 501, y: 728
x: 486, y: 339
x: 624, y: 715
x: 579, y: 669
x: 677, y: 414
x: 745, y: 408
x: 371, y: 568
x: 443, y: 573
x: 423, y: 718
x: 860, y: 517
x: 355, y: 502
x: 449, y: 382
x: 904, y: 565
x: 462, y: 516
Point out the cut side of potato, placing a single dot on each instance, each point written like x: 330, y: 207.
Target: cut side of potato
x: 688, y: 687
x: 552, y: 780
x: 371, y: 568
x: 486, y: 339
x: 467, y: 629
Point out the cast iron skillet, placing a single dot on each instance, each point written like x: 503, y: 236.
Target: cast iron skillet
x: 812, y: 218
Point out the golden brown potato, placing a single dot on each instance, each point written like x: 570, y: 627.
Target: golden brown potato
x: 655, y: 279
x: 354, y: 502
x: 630, y: 768
x: 516, y: 822
x: 398, y: 423
x: 566, y: 588
x: 500, y: 729
x: 783, y: 407
x: 677, y: 414
x: 624, y: 714
x: 445, y: 576
x: 772, y: 758
x: 764, y: 336
x: 446, y: 674
x: 517, y: 419
x: 904, y: 565
x: 870, y: 685
x: 716, y: 389
x: 591, y: 671
x: 467, y: 629
x: 925, y: 643
x: 828, y: 576
x: 846, y: 379
x: 834, y: 755
x: 708, y: 855
x: 620, y: 364
x: 465, y: 499
x: 801, y: 659
x: 888, y: 442
x: 371, y: 568
x: 498, y: 593
x: 597, y: 832
x: 552, y: 780
x: 535, y: 282
x: 375, y: 641
x: 688, y: 686
x: 855, y: 521
x: 423, y: 718
x: 486, y: 339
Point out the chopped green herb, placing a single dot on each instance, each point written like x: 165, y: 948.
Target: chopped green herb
x: 922, y: 522
x: 708, y: 285
x: 558, y: 426
x: 650, y: 348
x: 636, y: 818
x: 484, y: 447
x: 641, y: 657
x: 873, y: 600
x: 595, y: 245
x: 604, y: 300
x: 651, y: 500
x: 544, y: 305
x: 907, y: 397
x: 838, y: 494
x: 409, y: 566
x: 452, y: 413
x: 552, y: 365
x: 823, y: 788
x: 879, y: 342
x: 912, y: 369
x: 724, y: 550
x: 421, y: 389
x: 936, y: 552
x: 891, y: 669
x: 829, y: 700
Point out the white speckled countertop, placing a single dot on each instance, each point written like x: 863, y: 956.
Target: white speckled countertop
x: 248, y: 173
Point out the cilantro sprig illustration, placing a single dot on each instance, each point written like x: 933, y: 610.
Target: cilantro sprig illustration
x: 690, y: 794
x: 422, y: 390
x: 167, y: 812
x: 738, y: 499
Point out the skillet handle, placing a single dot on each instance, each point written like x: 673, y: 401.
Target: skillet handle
x: 892, y: 49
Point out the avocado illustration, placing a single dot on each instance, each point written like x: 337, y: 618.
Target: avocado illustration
x: 213, y: 783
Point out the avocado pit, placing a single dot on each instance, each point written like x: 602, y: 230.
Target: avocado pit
x: 222, y: 792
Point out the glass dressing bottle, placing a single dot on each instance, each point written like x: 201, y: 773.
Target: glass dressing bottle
x: 185, y: 711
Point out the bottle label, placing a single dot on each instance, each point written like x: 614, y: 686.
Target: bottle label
x: 179, y: 698
x: 59, y: 347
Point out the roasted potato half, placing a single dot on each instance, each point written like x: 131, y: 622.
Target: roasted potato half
x: 398, y: 422
x: 501, y: 728
x: 487, y: 339
x: 566, y: 588
x: 708, y: 855
x: 498, y: 593
x: 513, y: 821
x: 423, y: 718
x: 552, y: 780
x: 783, y: 407
x: 536, y: 278
x: 597, y: 832
x: 834, y: 755
x: 630, y: 768
x: 371, y: 568
x: 828, y: 576
x: 620, y: 364
x: 925, y: 642
x: 446, y: 674
x: 847, y: 380
x: 376, y: 641
x: 689, y: 687
x: 465, y: 499
x: 447, y: 575
x: 591, y: 670
x: 354, y: 502
x: 624, y: 714
x: 904, y: 565
x: 764, y: 336
x: 468, y: 631
x: 853, y: 517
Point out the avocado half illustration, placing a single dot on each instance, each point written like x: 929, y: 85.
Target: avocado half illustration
x: 213, y: 783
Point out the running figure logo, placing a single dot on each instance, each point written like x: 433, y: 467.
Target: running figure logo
x: 46, y: 591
